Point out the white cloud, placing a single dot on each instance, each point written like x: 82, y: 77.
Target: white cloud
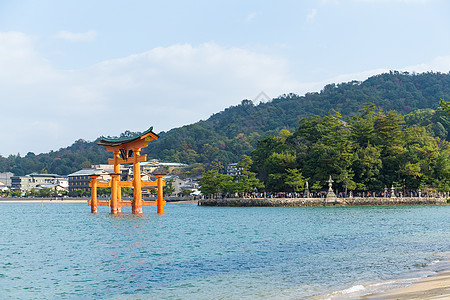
x: 438, y: 64
x: 250, y: 17
x: 389, y: 1
x: 89, y: 36
x: 44, y: 108
x: 180, y: 78
x: 311, y: 16
x: 326, y: 2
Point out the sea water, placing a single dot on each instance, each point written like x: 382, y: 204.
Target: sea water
x: 62, y: 251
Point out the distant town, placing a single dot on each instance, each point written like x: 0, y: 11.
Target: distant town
x: 77, y: 184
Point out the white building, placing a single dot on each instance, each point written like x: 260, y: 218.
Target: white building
x: 34, y: 180
x: 5, y: 178
x: 232, y: 169
x: 177, y: 183
x: 152, y: 165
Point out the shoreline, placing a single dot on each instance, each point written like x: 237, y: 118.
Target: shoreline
x: 431, y: 282
x: 318, y: 202
x: 436, y: 286
x: 86, y: 200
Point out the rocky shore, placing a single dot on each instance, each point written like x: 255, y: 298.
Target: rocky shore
x: 293, y: 202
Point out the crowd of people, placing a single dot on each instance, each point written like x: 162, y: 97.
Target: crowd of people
x: 351, y: 194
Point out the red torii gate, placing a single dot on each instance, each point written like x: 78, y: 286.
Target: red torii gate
x: 127, y: 150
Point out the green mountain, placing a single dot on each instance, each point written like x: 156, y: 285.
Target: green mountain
x: 227, y: 135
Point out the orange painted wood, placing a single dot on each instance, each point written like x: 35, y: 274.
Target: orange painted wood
x: 130, y: 160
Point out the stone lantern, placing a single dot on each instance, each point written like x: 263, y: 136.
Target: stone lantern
x: 331, y: 196
x: 393, y: 192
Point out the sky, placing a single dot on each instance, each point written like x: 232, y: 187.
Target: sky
x: 78, y: 69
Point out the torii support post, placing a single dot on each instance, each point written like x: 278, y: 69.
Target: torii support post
x: 94, y: 183
x: 115, y: 178
x: 115, y: 207
x: 137, y: 184
x: 160, y: 201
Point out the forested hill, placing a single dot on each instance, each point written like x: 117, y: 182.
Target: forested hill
x: 227, y: 135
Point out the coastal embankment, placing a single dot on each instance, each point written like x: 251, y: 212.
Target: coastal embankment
x: 304, y: 202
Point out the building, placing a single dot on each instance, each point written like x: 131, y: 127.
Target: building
x: 34, y: 180
x: 63, y: 182
x: 177, y: 183
x: 192, y: 185
x: 232, y: 169
x: 80, y: 179
x: 152, y: 165
x: 56, y: 187
x: 5, y: 179
x: 108, y: 168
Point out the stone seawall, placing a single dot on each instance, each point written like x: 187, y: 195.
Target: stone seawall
x: 291, y: 202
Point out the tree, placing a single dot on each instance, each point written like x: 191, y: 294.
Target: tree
x: 126, y: 191
x: 445, y: 106
x: 16, y: 193
x: 295, y: 179
x: 366, y: 152
x: 362, y: 125
x: 264, y: 149
x: 324, y: 147
x: 186, y: 192
x: 169, y: 189
x: 217, y: 165
x: 213, y: 183
x: 277, y: 165
x: 390, y: 140
x: 246, y: 181
x: 366, y: 167
x: 103, y: 191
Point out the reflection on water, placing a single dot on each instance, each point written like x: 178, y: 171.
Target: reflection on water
x: 64, y: 251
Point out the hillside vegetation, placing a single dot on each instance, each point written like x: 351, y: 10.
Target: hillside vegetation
x: 366, y: 152
x: 229, y: 134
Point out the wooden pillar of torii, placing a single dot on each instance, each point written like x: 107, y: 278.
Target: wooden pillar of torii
x: 125, y: 151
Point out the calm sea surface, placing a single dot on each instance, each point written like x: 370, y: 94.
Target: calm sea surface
x: 62, y: 251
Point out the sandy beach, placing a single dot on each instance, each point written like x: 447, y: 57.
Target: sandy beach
x: 433, y: 287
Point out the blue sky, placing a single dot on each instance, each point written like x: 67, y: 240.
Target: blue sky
x: 68, y: 69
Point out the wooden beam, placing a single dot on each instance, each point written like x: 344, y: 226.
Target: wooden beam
x: 149, y: 183
x: 100, y: 203
x: 101, y: 184
x: 130, y: 160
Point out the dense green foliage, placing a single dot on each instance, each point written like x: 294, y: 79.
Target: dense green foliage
x: 244, y: 182
x: 365, y: 152
x: 227, y: 135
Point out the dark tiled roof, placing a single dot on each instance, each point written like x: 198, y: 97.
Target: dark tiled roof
x: 120, y: 141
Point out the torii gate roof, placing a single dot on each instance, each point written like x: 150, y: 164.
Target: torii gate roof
x: 114, y: 142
